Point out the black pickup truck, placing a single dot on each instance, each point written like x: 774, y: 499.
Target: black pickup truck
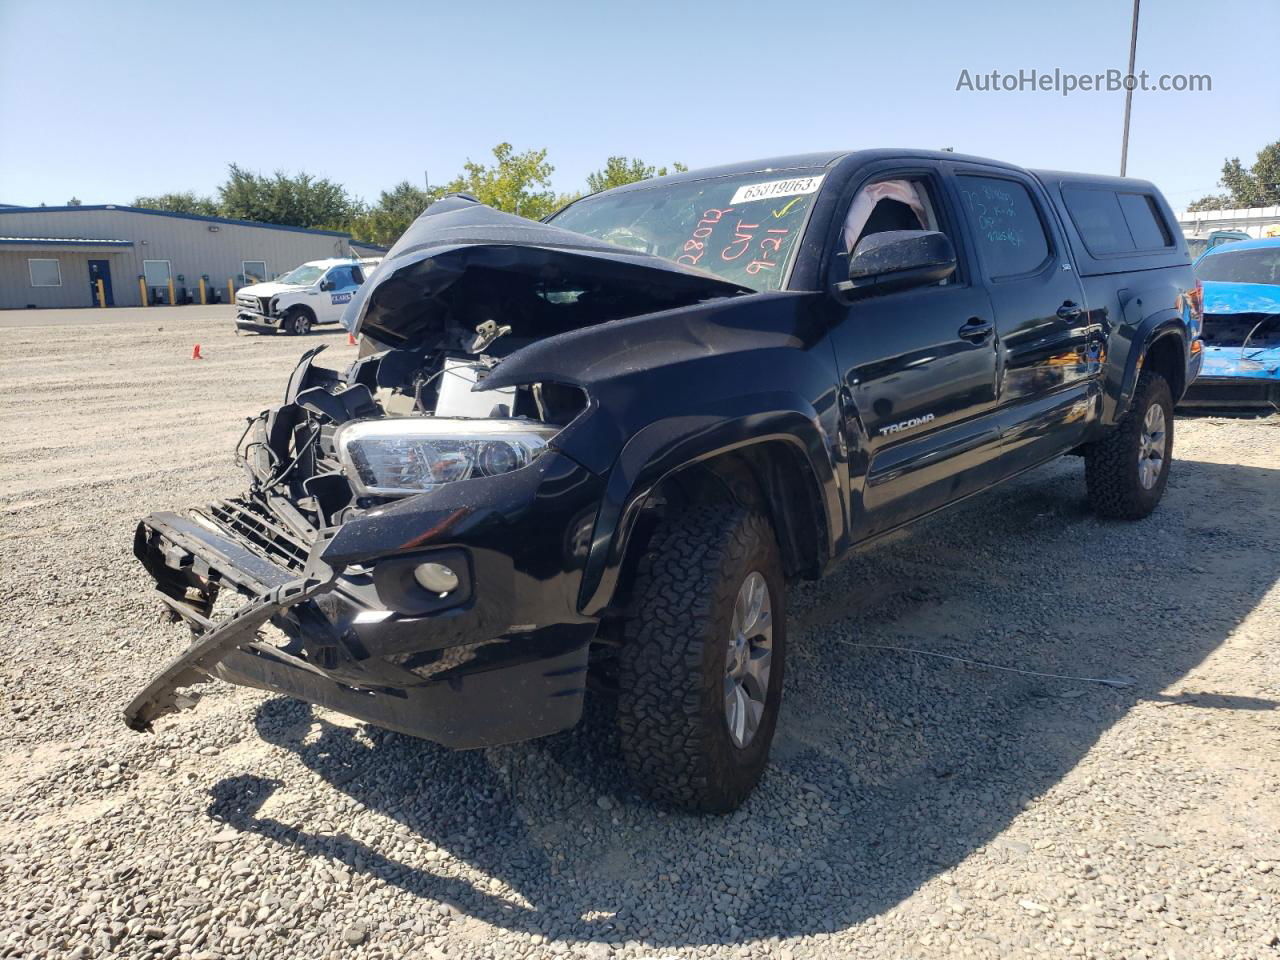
x: 593, y: 452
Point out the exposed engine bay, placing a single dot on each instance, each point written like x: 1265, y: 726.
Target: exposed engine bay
x: 436, y: 321
x: 309, y: 448
x: 1246, y: 330
x: 1241, y: 368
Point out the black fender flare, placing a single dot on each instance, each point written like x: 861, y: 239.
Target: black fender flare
x: 1131, y: 343
x: 665, y: 447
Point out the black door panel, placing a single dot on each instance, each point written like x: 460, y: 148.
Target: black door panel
x: 909, y: 377
x: 1033, y: 431
x: 1048, y: 342
x: 924, y: 473
x: 1042, y: 354
x: 918, y: 373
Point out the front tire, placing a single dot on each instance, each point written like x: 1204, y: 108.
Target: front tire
x: 298, y: 322
x: 1127, y: 470
x: 701, y: 666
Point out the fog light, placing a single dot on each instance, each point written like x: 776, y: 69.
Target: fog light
x: 436, y: 577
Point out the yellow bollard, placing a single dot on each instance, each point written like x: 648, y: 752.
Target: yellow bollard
x: 203, y: 302
x: 142, y: 286
x: 102, y: 293
x: 171, y: 291
x: 231, y: 291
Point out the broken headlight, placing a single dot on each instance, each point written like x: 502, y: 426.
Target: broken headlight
x: 398, y: 457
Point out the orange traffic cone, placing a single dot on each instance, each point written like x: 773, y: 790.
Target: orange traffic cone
x: 351, y: 339
x: 195, y: 353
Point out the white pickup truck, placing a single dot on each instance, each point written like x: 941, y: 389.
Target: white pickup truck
x: 316, y: 292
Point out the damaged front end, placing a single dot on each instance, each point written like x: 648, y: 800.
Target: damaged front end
x: 417, y: 538
x: 1241, y: 366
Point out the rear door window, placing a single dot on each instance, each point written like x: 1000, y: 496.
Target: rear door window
x: 1006, y: 225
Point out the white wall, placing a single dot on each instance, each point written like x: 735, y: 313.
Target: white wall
x: 190, y: 246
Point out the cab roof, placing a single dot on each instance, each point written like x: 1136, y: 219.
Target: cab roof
x: 806, y: 161
x: 329, y: 262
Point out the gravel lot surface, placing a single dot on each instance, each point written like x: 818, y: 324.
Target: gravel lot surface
x: 915, y: 807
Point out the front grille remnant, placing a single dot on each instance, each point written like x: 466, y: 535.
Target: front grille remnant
x: 252, y: 522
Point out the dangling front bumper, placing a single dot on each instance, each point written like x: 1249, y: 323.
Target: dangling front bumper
x: 502, y: 658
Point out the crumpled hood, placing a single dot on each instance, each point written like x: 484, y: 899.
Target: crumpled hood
x: 1221, y: 297
x: 409, y: 295
x: 268, y: 289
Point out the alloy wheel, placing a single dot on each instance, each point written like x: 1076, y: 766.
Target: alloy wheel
x: 748, y: 660
x: 1151, y: 447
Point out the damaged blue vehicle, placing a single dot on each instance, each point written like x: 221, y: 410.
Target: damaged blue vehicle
x: 1241, y: 290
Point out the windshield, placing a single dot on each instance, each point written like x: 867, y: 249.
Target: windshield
x: 302, y: 276
x: 1260, y: 265
x: 744, y: 229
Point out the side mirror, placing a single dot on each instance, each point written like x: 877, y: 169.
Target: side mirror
x: 898, y: 260
x: 326, y: 284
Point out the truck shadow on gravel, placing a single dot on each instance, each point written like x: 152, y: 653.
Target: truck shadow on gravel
x: 888, y: 768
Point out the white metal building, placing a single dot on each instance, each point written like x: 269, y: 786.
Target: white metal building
x: 1258, y: 222
x: 54, y: 256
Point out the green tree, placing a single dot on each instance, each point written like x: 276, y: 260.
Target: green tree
x: 619, y: 171
x: 385, y: 221
x: 185, y: 201
x: 1256, y: 186
x: 516, y: 182
x: 74, y: 202
x: 298, y: 200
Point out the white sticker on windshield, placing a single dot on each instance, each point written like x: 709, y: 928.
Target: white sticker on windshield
x: 794, y: 187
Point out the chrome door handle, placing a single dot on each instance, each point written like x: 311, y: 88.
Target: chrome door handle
x: 975, y: 330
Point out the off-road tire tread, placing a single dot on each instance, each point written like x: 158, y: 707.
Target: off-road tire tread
x: 1110, y: 470
x: 679, y: 581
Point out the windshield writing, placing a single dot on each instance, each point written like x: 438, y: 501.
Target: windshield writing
x: 744, y: 229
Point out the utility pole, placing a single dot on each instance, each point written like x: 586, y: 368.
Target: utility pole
x: 1128, y: 92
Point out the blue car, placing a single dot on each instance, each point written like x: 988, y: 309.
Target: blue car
x: 1241, y: 366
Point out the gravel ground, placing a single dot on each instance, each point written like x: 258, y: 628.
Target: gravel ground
x: 915, y: 807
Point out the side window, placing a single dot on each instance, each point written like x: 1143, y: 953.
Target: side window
x: 1006, y: 225
x: 899, y: 203
x: 1098, y: 217
x: 357, y: 276
x: 45, y: 273
x: 1146, y: 225
x: 1111, y: 222
x: 340, y: 278
x: 902, y: 204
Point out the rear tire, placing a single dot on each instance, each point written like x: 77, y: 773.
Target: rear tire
x: 1127, y: 470
x: 700, y: 669
x: 298, y: 322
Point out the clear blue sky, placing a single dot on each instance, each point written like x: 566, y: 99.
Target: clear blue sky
x: 106, y: 101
